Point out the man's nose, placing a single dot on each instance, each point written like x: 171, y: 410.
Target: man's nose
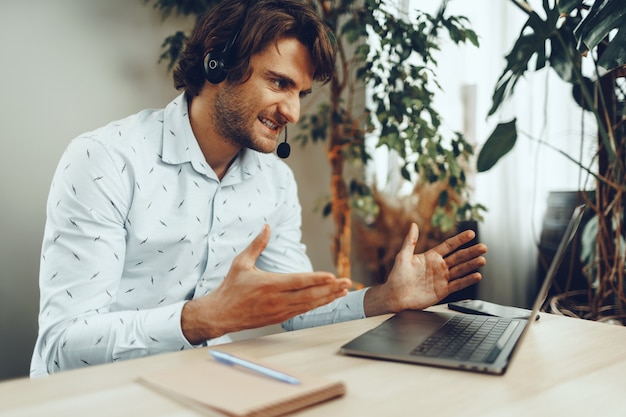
x: 289, y: 108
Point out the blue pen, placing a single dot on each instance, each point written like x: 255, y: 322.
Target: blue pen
x: 231, y: 360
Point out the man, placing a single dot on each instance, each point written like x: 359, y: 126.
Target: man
x: 172, y: 228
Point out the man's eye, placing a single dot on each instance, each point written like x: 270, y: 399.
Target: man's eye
x: 280, y: 84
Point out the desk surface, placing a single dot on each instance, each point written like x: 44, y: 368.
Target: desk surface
x: 565, y: 367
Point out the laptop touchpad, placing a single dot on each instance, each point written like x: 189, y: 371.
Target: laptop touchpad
x: 409, y: 328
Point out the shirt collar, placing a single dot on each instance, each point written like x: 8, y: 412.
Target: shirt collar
x: 180, y: 145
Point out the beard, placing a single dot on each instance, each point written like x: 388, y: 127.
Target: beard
x: 232, y: 121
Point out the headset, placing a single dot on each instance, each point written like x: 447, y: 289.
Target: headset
x: 216, y: 62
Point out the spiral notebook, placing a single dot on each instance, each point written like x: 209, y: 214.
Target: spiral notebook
x: 231, y: 391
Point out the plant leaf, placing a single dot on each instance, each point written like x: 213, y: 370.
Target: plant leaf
x: 603, y: 17
x: 561, y: 59
x: 517, y: 64
x: 501, y: 141
x: 614, y: 55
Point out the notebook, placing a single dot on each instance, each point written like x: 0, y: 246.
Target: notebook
x: 222, y: 390
x: 436, y: 338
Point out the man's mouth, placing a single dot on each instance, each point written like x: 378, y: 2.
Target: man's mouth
x: 269, y: 124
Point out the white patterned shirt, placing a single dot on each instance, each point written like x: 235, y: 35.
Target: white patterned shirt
x: 138, y: 223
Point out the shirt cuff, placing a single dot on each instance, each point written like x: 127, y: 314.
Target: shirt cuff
x: 163, y: 329
x: 354, y: 303
x: 342, y: 309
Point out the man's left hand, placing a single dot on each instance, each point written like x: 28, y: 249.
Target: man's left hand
x: 418, y: 281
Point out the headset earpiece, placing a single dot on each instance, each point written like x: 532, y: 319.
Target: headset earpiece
x: 214, y: 68
x: 217, y: 63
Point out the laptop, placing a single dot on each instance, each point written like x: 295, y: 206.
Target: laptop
x: 437, y: 338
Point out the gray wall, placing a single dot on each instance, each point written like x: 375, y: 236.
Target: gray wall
x: 69, y: 66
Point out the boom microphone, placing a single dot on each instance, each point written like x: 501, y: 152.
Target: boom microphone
x: 284, y: 149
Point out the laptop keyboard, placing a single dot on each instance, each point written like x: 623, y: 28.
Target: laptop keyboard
x: 470, y: 338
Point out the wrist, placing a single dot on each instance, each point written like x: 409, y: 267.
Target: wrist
x: 196, y: 327
x: 379, y: 300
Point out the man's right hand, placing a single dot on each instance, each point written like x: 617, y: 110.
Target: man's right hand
x: 250, y: 298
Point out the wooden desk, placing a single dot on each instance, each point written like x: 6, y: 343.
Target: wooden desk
x: 565, y: 367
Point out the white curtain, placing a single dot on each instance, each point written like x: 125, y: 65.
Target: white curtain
x: 517, y: 188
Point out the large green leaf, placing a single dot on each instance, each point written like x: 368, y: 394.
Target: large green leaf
x: 517, y: 64
x: 501, y: 141
x: 614, y: 55
x: 528, y: 45
x: 563, y: 59
x: 603, y: 17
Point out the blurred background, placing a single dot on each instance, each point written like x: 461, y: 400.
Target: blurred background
x: 69, y: 66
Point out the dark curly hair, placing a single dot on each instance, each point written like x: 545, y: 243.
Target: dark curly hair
x: 264, y: 22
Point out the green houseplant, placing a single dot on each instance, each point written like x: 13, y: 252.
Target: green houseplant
x: 394, y: 59
x: 569, y: 31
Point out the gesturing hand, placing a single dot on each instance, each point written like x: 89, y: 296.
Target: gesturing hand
x: 250, y: 298
x: 417, y: 281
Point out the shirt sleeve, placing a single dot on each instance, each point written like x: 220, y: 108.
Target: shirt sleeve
x: 81, y: 267
x: 342, y: 309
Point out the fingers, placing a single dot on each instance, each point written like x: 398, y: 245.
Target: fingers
x: 249, y: 256
x: 466, y: 281
x: 471, y: 256
x: 410, y: 240
x: 451, y: 244
x: 463, y: 264
x: 260, y: 242
x: 297, y: 288
x: 309, y: 298
x: 302, y: 280
x: 467, y: 267
x: 281, y: 305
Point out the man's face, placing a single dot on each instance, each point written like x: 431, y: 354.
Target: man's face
x: 252, y: 114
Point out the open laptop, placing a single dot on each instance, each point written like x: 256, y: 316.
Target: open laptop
x: 415, y: 336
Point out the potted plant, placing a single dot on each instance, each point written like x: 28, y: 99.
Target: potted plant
x: 394, y: 60
x: 569, y: 30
